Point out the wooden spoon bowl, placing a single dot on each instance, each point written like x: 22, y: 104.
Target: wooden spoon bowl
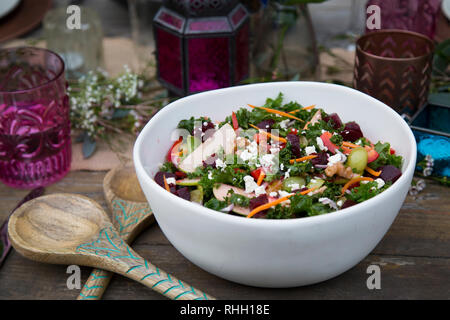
x: 73, y: 229
x: 50, y: 228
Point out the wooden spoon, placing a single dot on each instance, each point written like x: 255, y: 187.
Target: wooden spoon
x: 73, y: 229
x: 131, y: 214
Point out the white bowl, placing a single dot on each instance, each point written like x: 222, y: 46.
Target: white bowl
x: 275, y: 253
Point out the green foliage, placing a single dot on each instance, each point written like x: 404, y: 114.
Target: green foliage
x: 365, y: 191
x: 189, y: 124
x: 215, y: 204
x: 385, y: 157
x: 168, y: 167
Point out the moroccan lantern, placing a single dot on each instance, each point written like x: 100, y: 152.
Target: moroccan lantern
x: 201, y: 44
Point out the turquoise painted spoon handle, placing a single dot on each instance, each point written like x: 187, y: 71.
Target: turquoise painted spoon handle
x: 112, y: 253
x: 95, y: 285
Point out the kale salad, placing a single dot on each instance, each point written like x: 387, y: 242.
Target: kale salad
x: 277, y: 161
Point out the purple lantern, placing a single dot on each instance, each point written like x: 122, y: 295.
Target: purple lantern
x: 201, y: 44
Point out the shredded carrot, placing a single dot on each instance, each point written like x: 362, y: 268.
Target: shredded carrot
x: 346, y: 150
x: 305, y: 108
x: 350, y: 145
x: 278, y: 201
x: 268, y: 205
x: 166, y: 185
x: 261, y: 177
x: 268, y: 134
x: 306, y: 125
x: 303, y: 159
x: 281, y: 113
x: 373, y: 172
x: 353, y: 181
x: 308, y: 191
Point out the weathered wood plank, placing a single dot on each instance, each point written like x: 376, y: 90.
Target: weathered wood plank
x: 401, y: 278
x: 413, y: 256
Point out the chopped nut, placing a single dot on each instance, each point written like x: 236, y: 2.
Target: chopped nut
x: 339, y: 169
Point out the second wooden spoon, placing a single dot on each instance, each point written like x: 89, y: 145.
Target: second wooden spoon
x: 131, y: 214
x: 73, y: 229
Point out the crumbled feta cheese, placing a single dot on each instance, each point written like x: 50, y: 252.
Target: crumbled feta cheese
x: 274, y: 150
x: 334, y: 159
x: 284, y: 123
x: 310, y: 150
x: 171, y: 181
x: 220, y: 164
x: 287, y: 173
x: 210, y: 175
x: 380, y: 183
x: 260, y: 190
x: 340, y: 203
x: 273, y: 194
x: 250, y: 153
x: 282, y: 166
x: 364, y: 182
x: 294, y: 186
x: 267, y: 160
x: 283, y: 193
x: 320, y: 144
x: 250, y: 184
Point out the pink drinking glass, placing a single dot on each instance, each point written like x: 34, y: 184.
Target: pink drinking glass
x: 35, y: 144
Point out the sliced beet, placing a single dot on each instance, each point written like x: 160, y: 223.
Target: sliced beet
x: 390, y: 173
x: 352, y: 132
x: 348, y: 203
x: 335, y: 120
x: 322, y: 159
x: 295, y: 144
x: 258, y: 201
x: 210, y: 162
x: 266, y: 124
x: 207, y: 130
x: 159, y: 178
x: 184, y: 193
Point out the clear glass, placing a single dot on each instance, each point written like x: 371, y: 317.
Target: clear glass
x: 81, y: 49
x: 142, y: 13
x: 284, y: 44
x: 35, y: 144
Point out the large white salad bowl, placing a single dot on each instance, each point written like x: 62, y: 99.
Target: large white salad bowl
x: 275, y: 253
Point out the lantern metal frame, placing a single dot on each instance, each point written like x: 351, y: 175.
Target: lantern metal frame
x: 184, y: 35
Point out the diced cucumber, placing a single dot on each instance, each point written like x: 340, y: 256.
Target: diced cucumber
x: 357, y: 159
x: 188, y: 182
x: 315, y: 183
x: 197, y: 195
x: 293, y: 183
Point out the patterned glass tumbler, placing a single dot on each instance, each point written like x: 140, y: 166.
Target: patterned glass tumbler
x: 394, y: 66
x: 35, y: 144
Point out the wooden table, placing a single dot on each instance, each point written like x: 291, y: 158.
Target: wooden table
x: 413, y: 257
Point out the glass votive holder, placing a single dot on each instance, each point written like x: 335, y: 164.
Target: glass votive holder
x: 80, y: 48
x: 141, y: 14
x: 35, y: 143
x: 394, y: 66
